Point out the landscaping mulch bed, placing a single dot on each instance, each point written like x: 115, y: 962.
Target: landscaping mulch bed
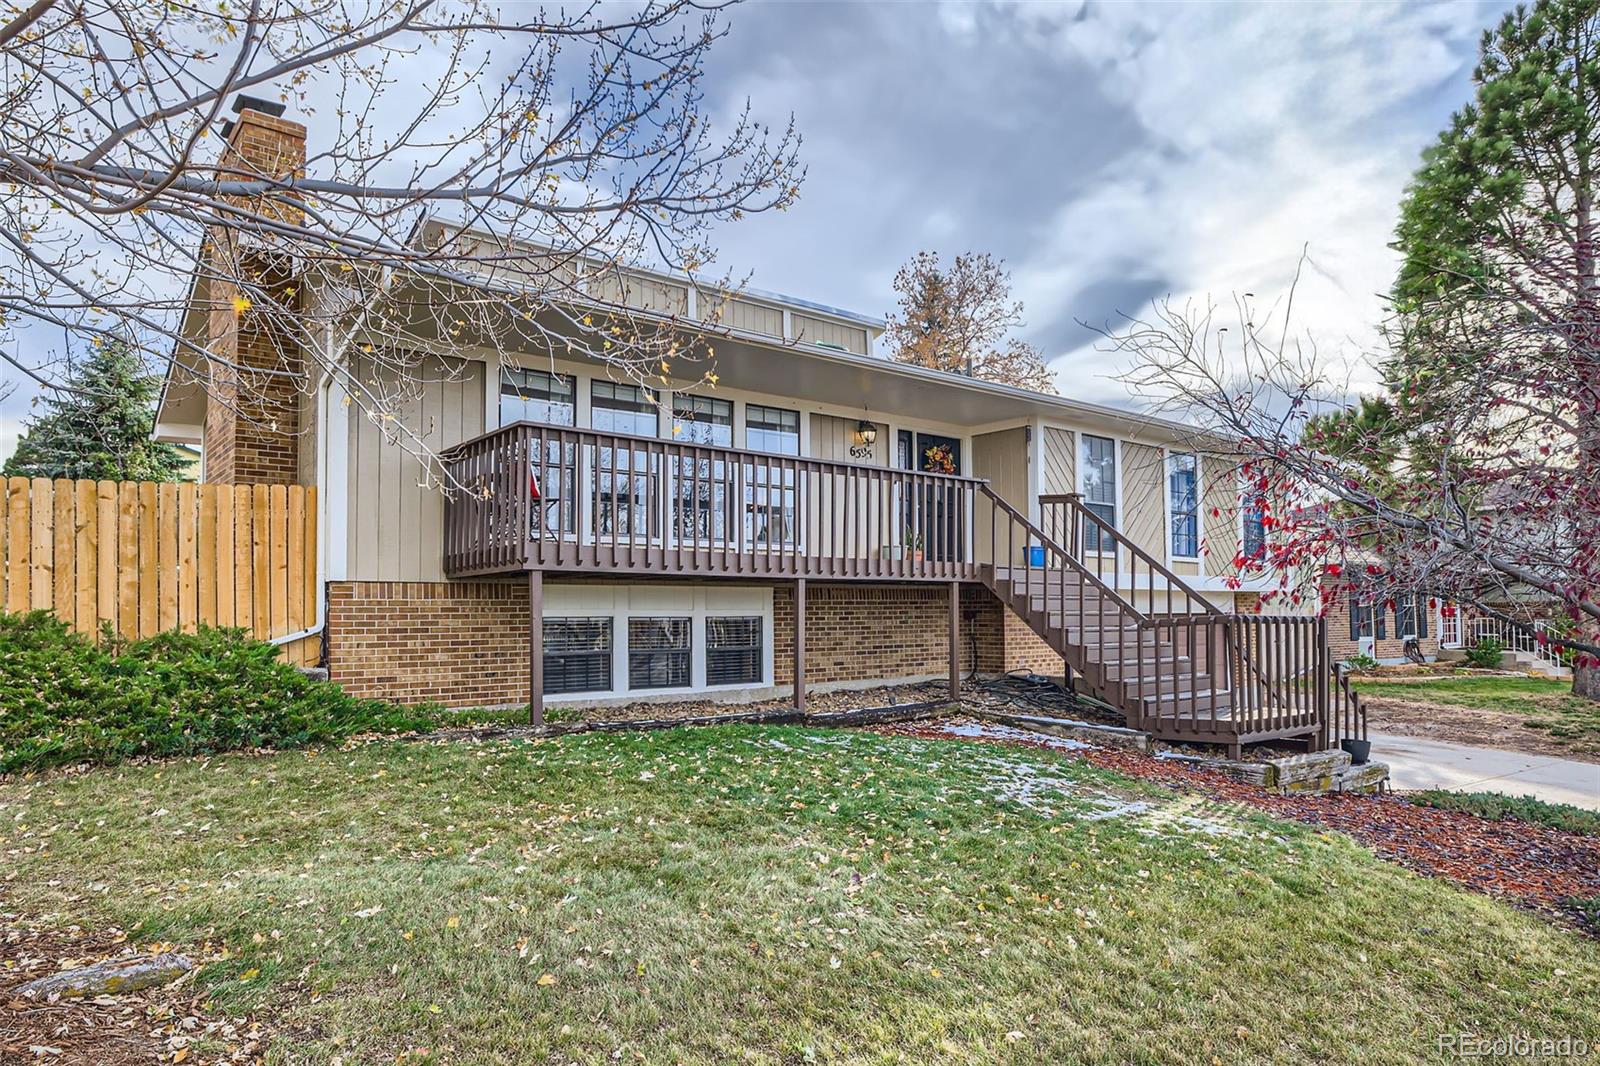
x: 157, y: 1025
x: 1534, y: 866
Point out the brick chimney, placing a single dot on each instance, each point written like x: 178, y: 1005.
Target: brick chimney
x: 253, y: 417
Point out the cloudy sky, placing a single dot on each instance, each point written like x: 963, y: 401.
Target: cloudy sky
x: 1111, y: 154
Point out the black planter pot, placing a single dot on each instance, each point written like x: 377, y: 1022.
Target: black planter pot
x: 1359, y: 750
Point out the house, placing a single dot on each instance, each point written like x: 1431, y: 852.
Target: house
x: 822, y: 517
x: 1364, y: 620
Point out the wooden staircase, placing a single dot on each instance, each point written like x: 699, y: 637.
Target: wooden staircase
x: 1140, y: 639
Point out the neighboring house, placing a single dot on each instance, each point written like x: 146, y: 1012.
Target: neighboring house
x: 1380, y: 625
x: 779, y: 531
x: 189, y: 456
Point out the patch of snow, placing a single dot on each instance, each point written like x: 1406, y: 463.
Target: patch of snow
x: 973, y: 728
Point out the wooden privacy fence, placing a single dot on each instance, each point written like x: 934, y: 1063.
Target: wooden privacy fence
x: 148, y: 557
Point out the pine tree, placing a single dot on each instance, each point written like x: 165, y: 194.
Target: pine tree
x: 1499, y: 295
x: 99, y: 426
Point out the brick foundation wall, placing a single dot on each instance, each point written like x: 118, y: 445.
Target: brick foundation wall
x: 458, y: 643
x: 466, y: 643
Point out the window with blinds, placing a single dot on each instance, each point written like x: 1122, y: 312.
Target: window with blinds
x: 1099, y: 486
x: 658, y: 653
x: 577, y: 655
x: 733, y: 651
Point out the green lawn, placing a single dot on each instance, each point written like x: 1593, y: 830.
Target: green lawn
x: 774, y: 895
x: 1538, y: 702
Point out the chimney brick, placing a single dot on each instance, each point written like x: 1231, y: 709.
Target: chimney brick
x: 253, y: 419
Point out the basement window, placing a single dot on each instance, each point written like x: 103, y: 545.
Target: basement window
x: 577, y: 655
x: 658, y: 653
x: 733, y: 651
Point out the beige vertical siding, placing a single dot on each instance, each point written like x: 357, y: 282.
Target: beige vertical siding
x: 1002, y: 459
x: 1144, y: 502
x: 1060, y: 461
x: 642, y: 293
x: 742, y: 314
x: 396, y: 522
x: 832, y: 438
x: 1220, y: 485
x: 869, y: 504
x: 810, y: 330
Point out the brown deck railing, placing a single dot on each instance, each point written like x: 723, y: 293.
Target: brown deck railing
x: 537, y: 497
x: 1277, y: 670
x: 1113, y: 558
x: 549, y: 497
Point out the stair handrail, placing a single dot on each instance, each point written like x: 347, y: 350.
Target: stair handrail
x: 1074, y: 501
x: 1050, y: 545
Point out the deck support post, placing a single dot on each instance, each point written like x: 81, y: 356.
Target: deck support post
x: 955, y: 640
x: 536, y: 647
x: 800, y: 645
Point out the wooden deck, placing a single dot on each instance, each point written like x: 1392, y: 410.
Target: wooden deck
x: 531, y: 498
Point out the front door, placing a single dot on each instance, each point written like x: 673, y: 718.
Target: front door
x: 939, y: 506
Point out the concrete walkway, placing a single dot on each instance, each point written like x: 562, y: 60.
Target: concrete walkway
x: 1418, y: 763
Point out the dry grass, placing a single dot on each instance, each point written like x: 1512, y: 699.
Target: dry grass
x: 773, y: 895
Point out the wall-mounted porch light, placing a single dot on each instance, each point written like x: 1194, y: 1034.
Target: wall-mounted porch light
x: 866, y: 437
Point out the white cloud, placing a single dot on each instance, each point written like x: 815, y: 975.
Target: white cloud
x: 1272, y: 129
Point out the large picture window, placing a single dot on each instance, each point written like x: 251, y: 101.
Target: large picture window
x: 577, y: 655
x: 771, y: 429
x: 658, y: 653
x: 769, y: 490
x: 702, y: 420
x: 733, y: 651
x: 1183, y: 490
x: 1099, y: 481
x: 624, y: 476
x: 540, y: 396
x: 536, y: 396
x: 700, y: 503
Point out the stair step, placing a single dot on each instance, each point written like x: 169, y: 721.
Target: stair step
x: 1150, y: 686
x: 1202, y: 700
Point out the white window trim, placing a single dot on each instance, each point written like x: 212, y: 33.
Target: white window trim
x: 697, y: 603
x: 1168, y: 454
x: 1117, y: 470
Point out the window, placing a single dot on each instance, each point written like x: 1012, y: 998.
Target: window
x: 625, y: 477
x: 618, y: 408
x: 577, y: 655
x: 1254, y: 539
x: 700, y: 501
x: 1099, y: 456
x: 1366, y: 617
x: 536, y: 396
x: 1183, y: 489
x: 1411, y: 616
x: 770, y: 489
x: 733, y: 651
x: 658, y: 653
x: 771, y: 429
x: 702, y: 420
